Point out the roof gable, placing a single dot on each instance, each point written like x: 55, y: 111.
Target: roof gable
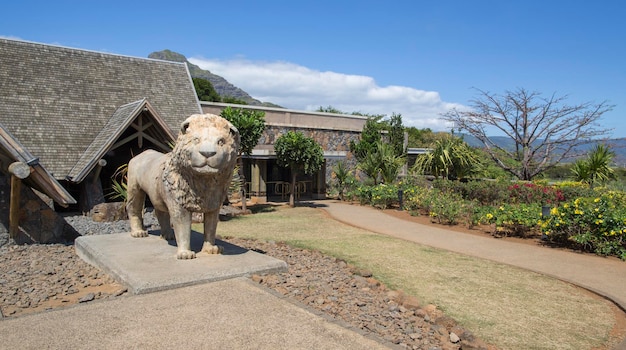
x: 58, y: 100
x: 139, y: 115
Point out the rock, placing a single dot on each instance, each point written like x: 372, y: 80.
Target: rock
x: 454, y: 338
x: 86, y: 298
x: 108, y: 212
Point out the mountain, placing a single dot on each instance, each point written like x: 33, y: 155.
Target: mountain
x: 617, y: 145
x: 221, y: 85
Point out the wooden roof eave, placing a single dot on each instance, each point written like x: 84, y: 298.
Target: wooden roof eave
x: 39, y: 177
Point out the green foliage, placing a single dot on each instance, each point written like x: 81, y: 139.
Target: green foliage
x: 596, y: 167
x: 482, y: 192
x: 596, y: 224
x: 342, y: 178
x: 250, y: 124
x: 382, y: 162
x: 233, y: 100
x: 390, y: 162
x: 299, y: 153
x: 119, y: 183
x: 370, y: 137
x: 445, y: 207
x: 451, y: 158
x: 383, y: 196
x: 419, y: 138
x: 574, y: 189
x: 329, y: 109
x: 559, y: 172
x: 205, y: 90
x: 515, y: 219
x: 534, y: 193
x: 396, y: 134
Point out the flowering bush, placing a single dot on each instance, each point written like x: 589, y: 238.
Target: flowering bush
x: 413, y: 198
x: 484, y: 192
x: 446, y: 207
x: 363, y: 194
x: 535, y: 193
x: 515, y: 219
x: 383, y: 196
x: 574, y: 189
x: 596, y: 224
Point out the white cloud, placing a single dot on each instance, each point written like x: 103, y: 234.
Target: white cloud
x: 301, y: 88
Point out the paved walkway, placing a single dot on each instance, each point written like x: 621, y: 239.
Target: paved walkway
x: 603, y: 276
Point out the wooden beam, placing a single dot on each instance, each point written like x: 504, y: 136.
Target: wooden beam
x: 18, y: 172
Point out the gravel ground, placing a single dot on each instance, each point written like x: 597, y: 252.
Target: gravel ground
x: 35, y: 278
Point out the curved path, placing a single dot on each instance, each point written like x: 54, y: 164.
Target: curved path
x: 604, y: 276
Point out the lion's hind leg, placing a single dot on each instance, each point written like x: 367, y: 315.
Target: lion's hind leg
x: 163, y: 217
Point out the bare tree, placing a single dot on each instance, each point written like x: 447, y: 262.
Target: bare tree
x: 544, y: 131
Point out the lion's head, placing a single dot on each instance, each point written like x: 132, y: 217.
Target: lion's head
x: 201, y: 164
x: 207, y: 144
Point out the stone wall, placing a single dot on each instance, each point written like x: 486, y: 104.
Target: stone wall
x: 38, y: 221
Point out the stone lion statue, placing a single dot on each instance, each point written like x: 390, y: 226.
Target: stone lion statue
x: 194, y: 177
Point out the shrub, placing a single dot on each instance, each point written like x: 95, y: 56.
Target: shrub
x: 515, y: 219
x: 535, y: 193
x: 363, y: 194
x: 574, y: 189
x: 445, y: 207
x: 383, y: 196
x: 596, y: 224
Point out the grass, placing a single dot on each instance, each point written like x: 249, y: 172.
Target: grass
x: 506, y: 306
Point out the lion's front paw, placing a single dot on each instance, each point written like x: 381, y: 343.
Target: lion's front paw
x: 138, y: 234
x: 185, y: 254
x: 213, y: 249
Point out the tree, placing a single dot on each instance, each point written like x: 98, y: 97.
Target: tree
x: 300, y: 154
x: 329, y: 109
x: 396, y: 134
x: 382, y: 163
x: 390, y: 162
x: 450, y: 158
x: 370, y: 136
x: 251, y: 125
x: 341, y: 177
x: 233, y: 100
x: 544, y: 131
x: 596, y: 167
x: 205, y: 90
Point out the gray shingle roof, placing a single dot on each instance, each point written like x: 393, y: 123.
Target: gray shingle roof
x: 57, y: 100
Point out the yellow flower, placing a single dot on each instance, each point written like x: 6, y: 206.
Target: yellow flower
x: 554, y: 211
x: 578, y: 212
x: 596, y: 200
x: 489, y: 216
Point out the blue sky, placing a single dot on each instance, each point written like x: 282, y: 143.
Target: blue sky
x: 411, y: 57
